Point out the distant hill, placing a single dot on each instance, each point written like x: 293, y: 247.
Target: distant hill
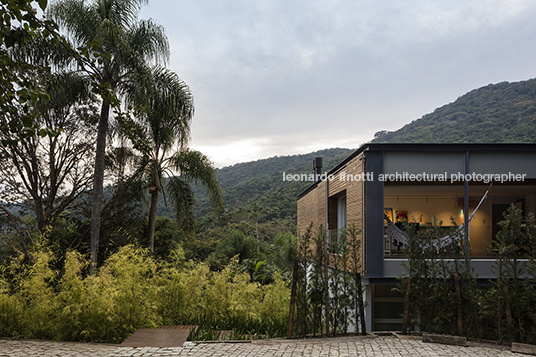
x: 262, y: 181
x: 497, y: 113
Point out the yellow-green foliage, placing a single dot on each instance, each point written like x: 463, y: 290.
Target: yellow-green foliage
x: 11, y: 308
x: 115, y: 302
x: 130, y: 291
x: 276, y: 300
x: 196, y: 291
x: 33, y: 292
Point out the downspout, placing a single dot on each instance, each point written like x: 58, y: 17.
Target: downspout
x: 368, y: 311
x: 363, y: 181
x: 327, y: 211
x: 326, y: 260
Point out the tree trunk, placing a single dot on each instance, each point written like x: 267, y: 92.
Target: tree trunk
x: 508, y: 312
x: 98, y: 182
x: 152, y: 217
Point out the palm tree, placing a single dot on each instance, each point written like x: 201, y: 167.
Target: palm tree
x: 167, y: 119
x: 128, y: 47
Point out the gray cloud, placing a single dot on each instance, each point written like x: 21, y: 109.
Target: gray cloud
x: 285, y: 77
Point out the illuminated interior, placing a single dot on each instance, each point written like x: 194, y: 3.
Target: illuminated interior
x: 444, y: 203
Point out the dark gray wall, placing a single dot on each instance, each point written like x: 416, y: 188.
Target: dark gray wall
x: 374, y: 230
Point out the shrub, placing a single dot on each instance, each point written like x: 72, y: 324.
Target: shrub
x: 131, y: 291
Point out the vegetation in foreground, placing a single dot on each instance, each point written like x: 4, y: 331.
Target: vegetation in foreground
x: 441, y: 288
x: 328, y: 296
x: 132, y: 290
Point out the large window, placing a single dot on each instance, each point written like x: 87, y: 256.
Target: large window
x: 341, y: 212
x: 337, y: 222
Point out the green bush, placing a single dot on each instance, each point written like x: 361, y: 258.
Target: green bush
x: 224, y: 300
x: 131, y: 291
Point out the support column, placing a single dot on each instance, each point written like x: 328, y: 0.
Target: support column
x: 374, y: 227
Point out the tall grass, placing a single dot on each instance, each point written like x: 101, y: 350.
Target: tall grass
x: 131, y: 291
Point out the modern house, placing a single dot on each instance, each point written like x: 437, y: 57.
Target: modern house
x: 418, y: 183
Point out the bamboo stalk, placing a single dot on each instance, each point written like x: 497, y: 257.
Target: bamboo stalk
x: 508, y: 311
x: 292, y: 298
x: 406, y: 307
x: 459, y: 299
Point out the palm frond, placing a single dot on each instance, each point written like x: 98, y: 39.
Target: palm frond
x: 171, y: 106
x: 119, y: 159
x: 66, y: 88
x: 41, y: 51
x: 69, y: 93
x: 79, y: 20
x: 149, y: 40
x: 182, y: 197
x: 195, y: 167
x: 168, y: 107
x: 124, y: 12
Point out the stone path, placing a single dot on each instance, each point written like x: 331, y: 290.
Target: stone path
x: 344, y: 346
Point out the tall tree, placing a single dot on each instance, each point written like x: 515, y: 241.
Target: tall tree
x: 128, y: 47
x: 167, y: 119
x: 48, y: 173
x: 20, y: 24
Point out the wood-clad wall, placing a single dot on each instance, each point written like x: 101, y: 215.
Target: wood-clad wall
x: 312, y: 206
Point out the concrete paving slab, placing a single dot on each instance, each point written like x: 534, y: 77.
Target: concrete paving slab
x: 146, y: 337
x: 322, y: 347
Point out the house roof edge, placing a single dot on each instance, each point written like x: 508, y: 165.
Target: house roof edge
x: 531, y: 147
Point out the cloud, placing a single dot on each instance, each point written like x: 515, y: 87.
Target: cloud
x: 269, y: 76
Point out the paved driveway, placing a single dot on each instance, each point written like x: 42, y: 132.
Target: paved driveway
x: 343, y: 346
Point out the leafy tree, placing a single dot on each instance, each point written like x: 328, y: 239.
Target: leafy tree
x: 20, y: 25
x: 514, y: 297
x: 47, y: 174
x: 236, y: 244
x: 127, y: 47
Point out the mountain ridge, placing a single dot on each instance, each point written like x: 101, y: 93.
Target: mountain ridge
x: 497, y: 113
x: 504, y: 112
x: 261, y: 181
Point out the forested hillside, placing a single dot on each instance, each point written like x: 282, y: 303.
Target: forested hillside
x: 262, y: 182
x: 503, y: 112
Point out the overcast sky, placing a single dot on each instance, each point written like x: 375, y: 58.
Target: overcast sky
x: 289, y: 77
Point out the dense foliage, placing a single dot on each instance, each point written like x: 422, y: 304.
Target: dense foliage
x: 328, y: 295
x: 497, y: 113
x: 438, y: 267
x: 19, y: 25
x: 130, y: 291
x: 441, y: 291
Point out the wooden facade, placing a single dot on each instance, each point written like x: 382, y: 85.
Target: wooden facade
x: 367, y: 197
x: 347, y: 182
